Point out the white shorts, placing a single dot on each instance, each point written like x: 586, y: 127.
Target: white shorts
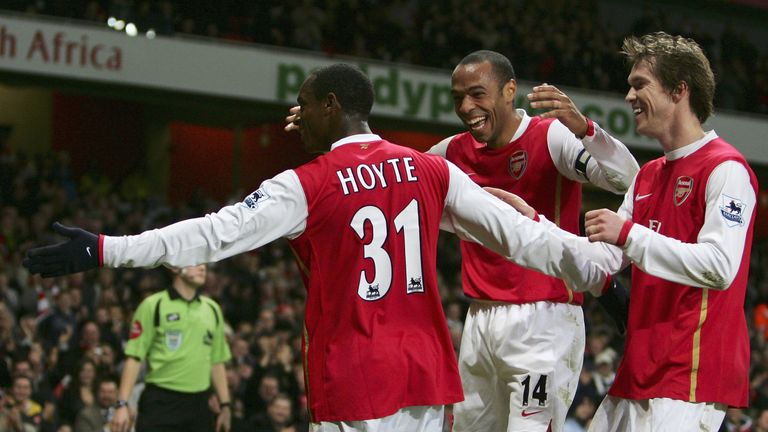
x: 415, y: 418
x: 656, y: 415
x: 519, y: 366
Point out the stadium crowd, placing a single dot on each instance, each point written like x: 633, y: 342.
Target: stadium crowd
x: 439, y: 34
x: 61, y: 339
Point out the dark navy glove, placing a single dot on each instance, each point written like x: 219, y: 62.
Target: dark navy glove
x: 615, y: 301
x: 79, y: 253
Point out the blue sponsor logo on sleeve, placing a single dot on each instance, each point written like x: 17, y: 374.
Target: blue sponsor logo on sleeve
x: 733, y: 210
x: 253, y: 200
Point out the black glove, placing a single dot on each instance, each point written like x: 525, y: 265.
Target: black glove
x: 79, y: 253
x: 615, y: 301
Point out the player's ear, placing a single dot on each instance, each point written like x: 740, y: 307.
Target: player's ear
x: 331, y: 103
x: 680, y: 91
x: 510, y: 90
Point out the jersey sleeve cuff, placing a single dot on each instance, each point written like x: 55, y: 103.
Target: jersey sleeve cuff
x: 590, y: 129
x: 101, y: 250
x: 624, y: 233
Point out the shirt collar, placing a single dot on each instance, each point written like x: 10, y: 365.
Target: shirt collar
x: 174, y: 295
x: 358, y: 138
x: 688, y: 149
x: 524, y: 122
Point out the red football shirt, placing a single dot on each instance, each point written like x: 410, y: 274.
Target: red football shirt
x: 375, y: 336
x: 685, y: 343
x: 525, y: 168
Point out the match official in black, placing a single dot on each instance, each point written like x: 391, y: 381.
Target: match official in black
x: 180, y: 334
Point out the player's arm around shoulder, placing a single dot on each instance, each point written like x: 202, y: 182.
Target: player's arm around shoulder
x: 581, y: 150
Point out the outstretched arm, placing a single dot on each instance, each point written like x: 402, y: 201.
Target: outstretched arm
x: 277, y: 209
x: 475, y: 215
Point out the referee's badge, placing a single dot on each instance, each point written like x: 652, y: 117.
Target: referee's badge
x: 173, y: 339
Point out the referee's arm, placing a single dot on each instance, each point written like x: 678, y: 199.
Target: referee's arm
x: 121, y: 421
x: 219, y: 379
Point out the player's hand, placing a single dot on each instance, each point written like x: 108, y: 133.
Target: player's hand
x: 121, y: 420
x: 603, y: 225
x: 615, y: 301
x: 292, y: 121
x: 515, y: 201
x: 224, y: 420
x: 79, y: 253
x: 559, y: 106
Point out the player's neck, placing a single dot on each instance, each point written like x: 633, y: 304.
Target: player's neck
x: 509, y: 128
x: 352, y: 126
x: 681, y: 133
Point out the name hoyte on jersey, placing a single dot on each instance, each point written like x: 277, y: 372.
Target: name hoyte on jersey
x: 371, y: 176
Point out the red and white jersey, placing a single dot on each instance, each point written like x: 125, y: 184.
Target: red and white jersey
x: 363, y: 220
x: 375, y: 339
x: 690, y: 246
x: 544, y: 164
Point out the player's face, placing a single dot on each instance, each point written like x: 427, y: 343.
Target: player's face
x: 480, y: 103
x: 311, y: 120
x: 652, y: 105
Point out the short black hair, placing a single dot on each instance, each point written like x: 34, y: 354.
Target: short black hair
x: 353, y: 89
x: 500, y: 64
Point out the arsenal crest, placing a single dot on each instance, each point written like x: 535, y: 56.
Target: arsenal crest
x: 518, y: 162
x: 683, y: 188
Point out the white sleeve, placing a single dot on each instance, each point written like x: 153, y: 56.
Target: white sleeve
x: 714, y: 260
x: 599, y: 159
x: 277, y: 209
x: 607, y: 256
x: 441, y: 148
x: 475, y: 215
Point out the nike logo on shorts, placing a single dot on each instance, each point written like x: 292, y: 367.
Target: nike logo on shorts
x: 88, y: 249
x: 528, y: 414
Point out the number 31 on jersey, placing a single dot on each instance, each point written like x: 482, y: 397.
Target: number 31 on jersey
x: 406, y: 225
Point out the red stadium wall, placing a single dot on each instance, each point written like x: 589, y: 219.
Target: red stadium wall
x: 205, y: 159
x: 105, y: 132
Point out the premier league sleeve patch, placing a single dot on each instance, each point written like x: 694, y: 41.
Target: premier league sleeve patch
x: 732, y: 210
x: 253, y: 200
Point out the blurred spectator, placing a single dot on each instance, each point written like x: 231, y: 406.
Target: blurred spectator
x: 582, y: 411
x: 93, y: 418
x: 604, y: 371
x: 30, y: 412
x: 79, y: 391
x: 736, y: 421
x: 277, y: 418
x: 761, y: 421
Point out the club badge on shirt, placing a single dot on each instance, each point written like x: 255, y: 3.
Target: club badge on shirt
x: 518, y: 162
x: 173, y: 339
x: 683, y: 188
x: 733, y: 210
